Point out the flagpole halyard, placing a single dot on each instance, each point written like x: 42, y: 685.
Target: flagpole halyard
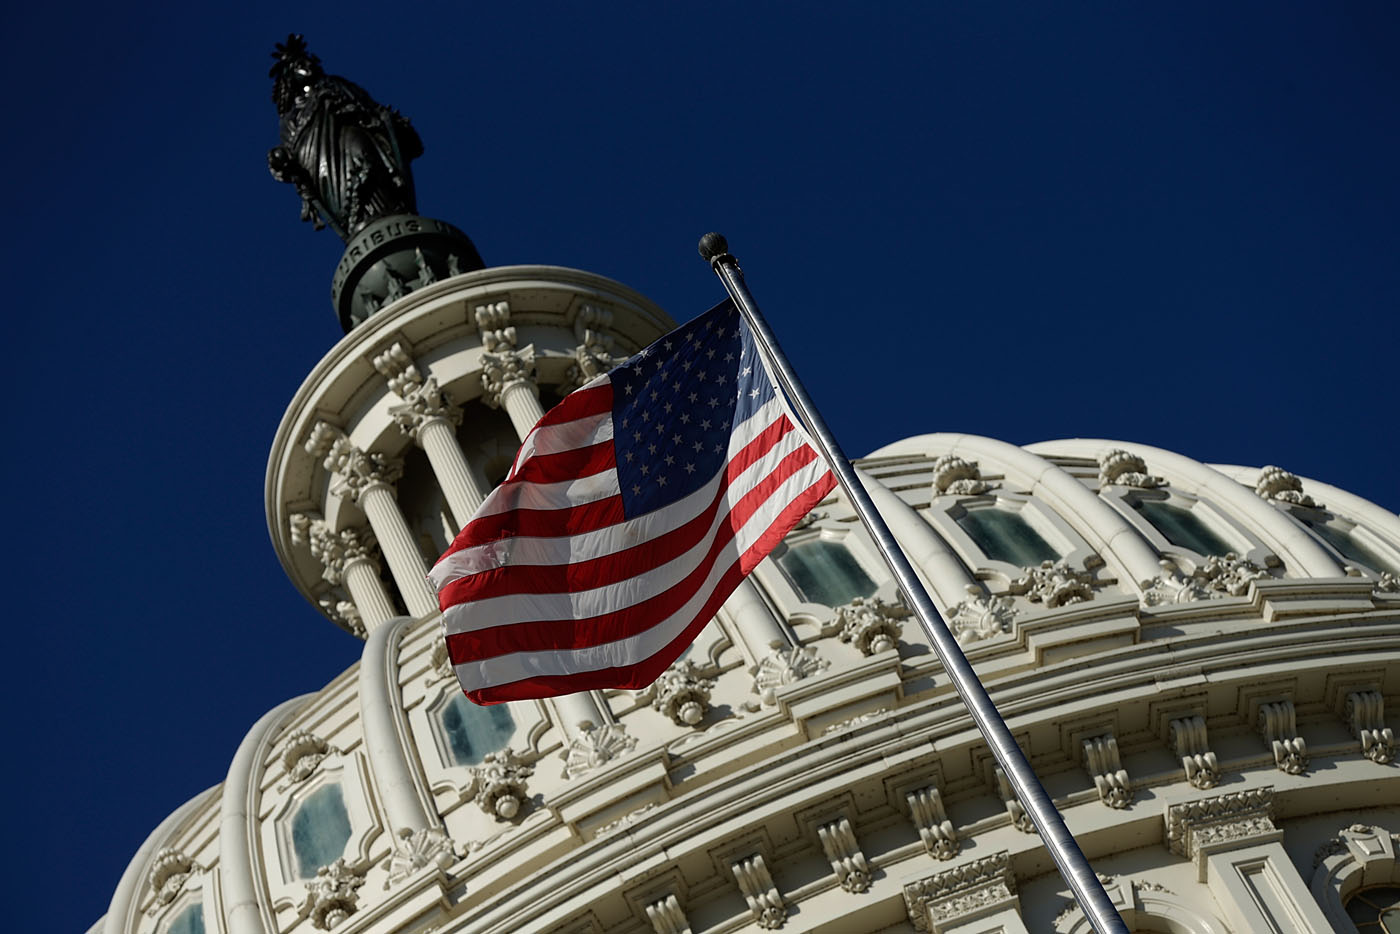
x: 1069, y: 859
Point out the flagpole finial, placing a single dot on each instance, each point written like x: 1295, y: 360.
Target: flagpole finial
x: 713, y: 247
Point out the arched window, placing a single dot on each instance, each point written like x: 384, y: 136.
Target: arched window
x: 1375, y: 910
x: 1183, y: 528
x: 1347, y: 543
x: 471, y: 731
x: 1003, y: 535
x: 824, y: 571
x: 320, y: 828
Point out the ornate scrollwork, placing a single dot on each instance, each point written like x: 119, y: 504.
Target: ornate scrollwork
x: 1111, y: 780
x: 681, y: 693
x: 783, y: 666
x: 418, y: 849
x: 960, y: 891
x: 595, y: 746
x: 870, y: 624
x: 1365, y: 716
x: 762, y: 896
x: 1188, y: 736
x: 1054, y: 584
x: 1122, y: 468
x: 302, y: 752
x: 953, y: 476
x: 170, y: 868
x: 838, y: 840
x: 500, y: 784
x: 981, y: 615
x: 1278, y: 484
x: 1277, y: 724
x: 333, y: 895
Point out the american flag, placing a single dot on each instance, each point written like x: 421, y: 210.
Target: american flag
x: 633, y: 509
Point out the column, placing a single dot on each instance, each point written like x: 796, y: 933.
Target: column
x: 507, y: 370
x: 508, y: 382
x: 1239, y: 854
x: 428, y: 416
x: 367, y: 479
x: 347, y: 558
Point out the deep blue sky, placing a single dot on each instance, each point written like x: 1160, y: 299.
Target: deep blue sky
x: 1173, y: 223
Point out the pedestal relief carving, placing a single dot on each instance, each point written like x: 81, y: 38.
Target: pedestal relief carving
x: 680, y: 693
x: 980, y: 616
x: 762, y: 896
x: 1054, y: 584
x: 1121, y: 468
x: 499, y: 782
x: 1194, y: 827
x: 961, y: 892
x: 1277, y: 724
x: 936, y: 832
x: 785, y: 665
x: 596, y: 746
x: 1278, y: 484
x: 1365, y: 715
x: 953, y: 476
x: 1110, y: 778
x: 666, y: 916
x: 870, y: 624
x: 333, y: 895
x: 1187, y: 735
x: 417, y: 849
x: 838, y: 840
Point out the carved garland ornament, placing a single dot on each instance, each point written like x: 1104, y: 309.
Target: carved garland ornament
x: 981, y: 616
x: 500, y: 784
x: 1054, y: 584
x: 870, y: 624
x: 169, y: 871
x: 680, y: 693
x: 1236, y: 816
x: 1121, y: 468
x: 1278, y: 484
x: 333, y: 895
x: 301, y: 754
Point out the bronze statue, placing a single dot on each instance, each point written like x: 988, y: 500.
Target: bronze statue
x: 346, y: 154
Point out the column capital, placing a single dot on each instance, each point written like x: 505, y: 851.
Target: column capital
x: 335, y: 550
x: 504, y: 368
x: 423, y: 399
x: 356, y: 471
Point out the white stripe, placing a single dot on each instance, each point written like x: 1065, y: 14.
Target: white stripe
x: 565, y: 549
x: 504, y: 669
x: 648, y: 583
x: 509, y: 497
x: 565, y: 436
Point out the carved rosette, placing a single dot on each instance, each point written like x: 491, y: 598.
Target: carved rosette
x: 1278, y: 484
x: 1195, y: 826
x: 1171, y: 587
x: 972, y: 887
x: 953, y: 476
x: 1365, y: 716
x: 596, y: 746
x: 169, y: 870
x: 1122, y: 468
x: 981, y: 616
x: 870, y: 624
x: 301, y: 754
x: 333, y: 895
x: 1229, y: 575
x: 783, y: 666
x: 418, y: 849
x: 1054, y: 584
x: 500, y: 784
x: 680, y: 693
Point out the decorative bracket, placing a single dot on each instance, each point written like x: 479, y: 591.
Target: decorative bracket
x: 1188, y: 736
x: 1277, y: 724
x: 667, y: 917
x: 935, y: 830
x: 1365, y: 714
x: 1103, y: 765
x: 1020, y: 818
x: 759, y: 891
x: 681, y: 693
x: 843, y: 851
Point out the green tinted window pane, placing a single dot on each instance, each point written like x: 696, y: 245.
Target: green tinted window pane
x: 474, y: 731
x: 320, y: 830
x: 825, y: 572
x: 1004, y: 536
x: 1349, y: 546
x: 189, y: 921
x: 1182, y: 527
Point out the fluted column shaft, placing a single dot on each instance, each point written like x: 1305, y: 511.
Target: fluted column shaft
x: 454, y: 475
x: 522, y: 403
x: 367, y: 592
x: 396, y: 542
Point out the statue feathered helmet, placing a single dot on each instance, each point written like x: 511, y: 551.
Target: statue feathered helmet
x: 289, y: 55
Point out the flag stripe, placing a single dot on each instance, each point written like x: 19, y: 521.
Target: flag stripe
x: 630, y: 537
x: 638, y: 661
x: 541, y: 544
x: 587, y: 617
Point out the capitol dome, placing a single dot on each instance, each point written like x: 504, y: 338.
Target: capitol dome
x: 1195, y: 657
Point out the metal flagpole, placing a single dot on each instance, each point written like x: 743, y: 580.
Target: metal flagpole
x: 1084, y: 884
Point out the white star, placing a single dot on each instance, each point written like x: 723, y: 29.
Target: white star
x: 636, y: 490
x: 629, y: 457
x: 690, y: 468
x: 675, y: 439
x: 667, y: 344
x: 713, y: 402
x: 670, y: 460
x: 705, y: 424
x: 646, y: 416
x: 754, y: 393
x: 729, y: 358
x: 702, y: 376
x: 667, y: 408
x: 685, y: 365
x: 710, y: 354
x: 747, y: 371
x: 645, y: 470
x: 719, y: 449
x: 655, y: 395
x: 627, y: 389
x: 698, y: 446
x: 636, y: 436
x: 660, y: 481
x: 685, y: 418
x: 651, y: 448
x: 693, y: 396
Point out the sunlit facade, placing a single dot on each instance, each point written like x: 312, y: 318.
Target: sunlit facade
x: 1198, y: 660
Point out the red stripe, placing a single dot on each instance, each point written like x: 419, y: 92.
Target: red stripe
x: 643, y: 673
x: 577, y: 520
x: 566, y: 465
x: 582, y: 403
x: 549, y: 635
x: 616, y: 566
